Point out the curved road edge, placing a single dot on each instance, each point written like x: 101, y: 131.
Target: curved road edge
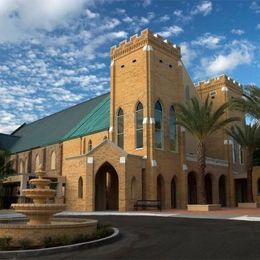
x: 67, y: 248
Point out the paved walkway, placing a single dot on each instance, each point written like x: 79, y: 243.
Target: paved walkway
x: 223, y: 213
x: 173, y: 238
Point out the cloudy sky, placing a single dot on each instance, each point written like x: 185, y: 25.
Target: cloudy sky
x: 55, y: 53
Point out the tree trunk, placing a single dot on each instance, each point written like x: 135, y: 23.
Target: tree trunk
x: 201, y: 166
x: 249, y: 170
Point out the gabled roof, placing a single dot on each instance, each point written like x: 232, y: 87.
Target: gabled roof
x: 96, y: 120
x: 7, y: 141
x: 82, y: 119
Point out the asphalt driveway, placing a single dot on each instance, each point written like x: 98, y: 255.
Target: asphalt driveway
x: 175, y: 238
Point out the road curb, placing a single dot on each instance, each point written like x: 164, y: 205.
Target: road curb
x: 60, y: 249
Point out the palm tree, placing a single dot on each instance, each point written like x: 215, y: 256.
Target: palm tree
x: 249, y: 102
x: 248, y: 136
x: 201, y: 121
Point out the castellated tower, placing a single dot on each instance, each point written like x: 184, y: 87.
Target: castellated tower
x: 147, y: 69
x: 220, y: 90
x: 144, y: 69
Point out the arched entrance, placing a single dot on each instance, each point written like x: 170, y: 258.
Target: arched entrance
x: 208, y: 188
x: 160, y: 189
x: 222, y: 190
x: 173, y: 193
x: 106, y: 188
x: 192, y: 188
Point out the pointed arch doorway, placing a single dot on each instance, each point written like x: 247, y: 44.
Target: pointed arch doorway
x: 192, y: 188
x: 106, y: 188
x: 173, y: 193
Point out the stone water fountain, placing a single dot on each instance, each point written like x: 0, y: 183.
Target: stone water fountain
x: 40, y: 223
x: 40, y: 211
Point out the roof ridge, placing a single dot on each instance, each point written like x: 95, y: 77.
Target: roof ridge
x: 9, y: 135
x: 27, y: 124
x: 88, y: 116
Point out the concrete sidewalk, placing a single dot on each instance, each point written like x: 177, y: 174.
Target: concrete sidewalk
x: 223, y: 213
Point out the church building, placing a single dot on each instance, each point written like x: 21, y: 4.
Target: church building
x: 110, y: 151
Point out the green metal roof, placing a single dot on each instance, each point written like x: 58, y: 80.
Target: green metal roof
x: 96, y: 121
x: 7, y: 141
x: 82, y: 119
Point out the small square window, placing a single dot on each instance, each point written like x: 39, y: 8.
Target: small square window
x: 170, y: 65
x: 122, y: 66
x: 133, y: 61
x: 161, y: 61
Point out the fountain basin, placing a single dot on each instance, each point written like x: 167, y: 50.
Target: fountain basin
x: 41, y: 183
x: 59, y: 227
x: 38, y: 213
x: 39, y: 195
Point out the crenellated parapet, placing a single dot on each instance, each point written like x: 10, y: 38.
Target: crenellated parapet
x: 146, y: 38
x: 223, y: 81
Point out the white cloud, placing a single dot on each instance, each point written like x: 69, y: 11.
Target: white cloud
x: 204, y: 8
x: 258, y: 26
x: 90, y: 14
x: 237, y: 31
x: 239, y: 53
x: 255, y: 7
x: 97, y: 66
x: 147, y: 3
x: 188, y: 54
x: 170, y: 31
x: 128, y: 19
x: 181, y: 17
x: 20, y: 19
x: 164, y: 18
x: 209, y: 40
x: 110, y: 24
x: 137, y: 23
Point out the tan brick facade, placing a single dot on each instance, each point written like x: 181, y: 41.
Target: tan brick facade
x: 103, y: 176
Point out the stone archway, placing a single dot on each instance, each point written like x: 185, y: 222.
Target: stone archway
x: 208, y: 188
x: 106, y: 188
x: 222, y: 190
x: 160, y: 189
x: 192, y: 188
x: 173, y: 193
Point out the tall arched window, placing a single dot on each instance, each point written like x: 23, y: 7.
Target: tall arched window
x: 139, y: 125
x: 241, y: 154
x: 89, y: 145
x: 26, y: 165
x: 83, y: 145
x: 21, y: 166
x: 234, y: 150
x: 53, y: 160
x: 80, y: 188
x: 37, y: 162
x: 158, y: 125
x: 172, y: 129
x: 120, y: 128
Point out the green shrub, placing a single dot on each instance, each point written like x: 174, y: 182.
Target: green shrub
x: 103, y: 230
x: 62, y: 241
x: 48, y: 241
x: 80, y: 238
x: 5, y: 242
x: 25, y: 243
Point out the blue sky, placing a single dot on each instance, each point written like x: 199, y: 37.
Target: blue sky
x: 55, y: 53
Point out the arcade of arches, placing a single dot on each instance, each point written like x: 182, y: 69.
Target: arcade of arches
x: 209, y: 181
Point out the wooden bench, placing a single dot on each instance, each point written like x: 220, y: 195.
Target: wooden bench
x: 143, y: 204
